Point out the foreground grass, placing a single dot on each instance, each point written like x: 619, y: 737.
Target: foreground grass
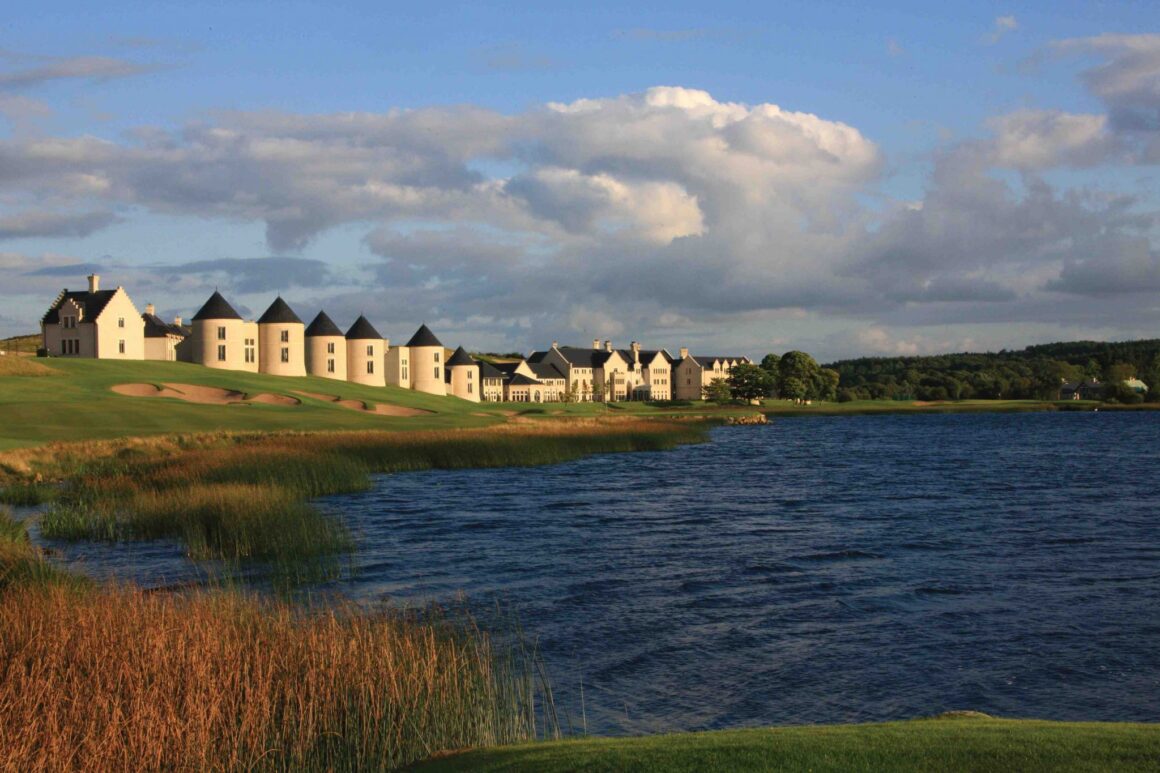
x: 941, y: 744
x: 118, y: 679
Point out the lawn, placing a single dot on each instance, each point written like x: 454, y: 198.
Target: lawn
x: 74, y: 401
x: 941, y: 744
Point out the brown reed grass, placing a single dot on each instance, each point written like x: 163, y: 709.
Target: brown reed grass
x: 119, y: 679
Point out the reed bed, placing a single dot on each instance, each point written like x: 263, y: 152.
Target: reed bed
x: 119, y: 679
x: 243, y: 496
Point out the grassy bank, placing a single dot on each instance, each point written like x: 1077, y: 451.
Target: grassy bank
x: 941, y: 744
x: 238, y: 497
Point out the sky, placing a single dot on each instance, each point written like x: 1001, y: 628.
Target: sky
x: 830, y: 177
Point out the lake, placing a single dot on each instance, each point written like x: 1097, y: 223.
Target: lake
x: 821, y: 569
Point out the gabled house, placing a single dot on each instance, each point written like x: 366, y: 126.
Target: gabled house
x: 691, y: 374
x: 102, y: 324
x: 599, y: 373
x: 491, y: 382
x: 649, y: 374
x: 162, y: 339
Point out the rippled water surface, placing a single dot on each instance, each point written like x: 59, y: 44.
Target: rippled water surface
x: 814, y: 570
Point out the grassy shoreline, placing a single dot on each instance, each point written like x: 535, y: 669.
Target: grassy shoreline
x: 947, y: 743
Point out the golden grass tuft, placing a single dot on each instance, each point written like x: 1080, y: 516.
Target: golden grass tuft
x: 124, y: 680
x: 12, y: 365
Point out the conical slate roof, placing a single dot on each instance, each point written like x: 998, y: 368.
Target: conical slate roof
x: 322, y: 326
x: 424, y: 337
x: 279, y: 313
x: 461, y: 357
x: 216, y: 308
x: 362, y: 330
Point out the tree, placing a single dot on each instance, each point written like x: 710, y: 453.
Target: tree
x: 793, y: 389
x: 799, y: 367
x: 769, y: 363
x: 825, y: 384
x: 749, y: 382
x: 718, y: 391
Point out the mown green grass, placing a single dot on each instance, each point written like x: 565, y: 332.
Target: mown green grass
x: 950, y: 744
x: 80, y: 405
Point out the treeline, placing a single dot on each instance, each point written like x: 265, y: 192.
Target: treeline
x: 1034, y: 373
x: 792, y: 376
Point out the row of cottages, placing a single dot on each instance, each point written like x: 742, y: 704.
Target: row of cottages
x: 579, y: 374
x: 280, y: 344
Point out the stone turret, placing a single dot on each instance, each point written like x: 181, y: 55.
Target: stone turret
x: 281, y: 344
x: 325, y: 348
x: 365, y: 354
x: 463, y: 376
x: 221, y: 339
x: 427, y: 362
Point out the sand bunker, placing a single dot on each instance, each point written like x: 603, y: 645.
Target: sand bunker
x: 382, y: 409
x: 271, y: 399
x: 203, y: 395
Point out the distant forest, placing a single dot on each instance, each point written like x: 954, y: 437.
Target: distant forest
x: 1034, y: 373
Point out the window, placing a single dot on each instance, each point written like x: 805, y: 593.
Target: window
x: 120, y: 322
x: 370, y: 350
x: 370, y: 366
x: 285, y: 354
x: 469, y: 389
x: 436, y: 356
x: 404, y: 373
x: 222, y: 351
x: 285, y: 336
x: 330, y: 365
x: 249, y: 354
x: 121, y: 346
x: 221, y: 333
x: 436, y: 371
x: 330, y: 348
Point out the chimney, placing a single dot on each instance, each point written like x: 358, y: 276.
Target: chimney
x: 684, y: 352
x: 177, y: 321
x: 555, y: 344
x: 94, y: 283
x: 607, y: 345
x: 635, y: 352
x: 595, y: 343
x: 150, y: 309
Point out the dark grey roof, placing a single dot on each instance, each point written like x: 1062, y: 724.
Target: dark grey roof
x: 461, y: 357
x: 216, y: 308
x: 545, y: 370
x: 506, y: 368
x: 155, y: 327
x: 578, y: 356
x: 92, y: 304
x: 279, y: 313
x: 322, y: 326
x: 519, y: 379
x: 487, y: 370
x: 362, y: 330
x: 423, y: 337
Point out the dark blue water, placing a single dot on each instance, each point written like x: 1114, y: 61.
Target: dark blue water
x: 815, y: 570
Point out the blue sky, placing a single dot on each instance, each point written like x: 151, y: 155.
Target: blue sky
x: 832, y: 177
